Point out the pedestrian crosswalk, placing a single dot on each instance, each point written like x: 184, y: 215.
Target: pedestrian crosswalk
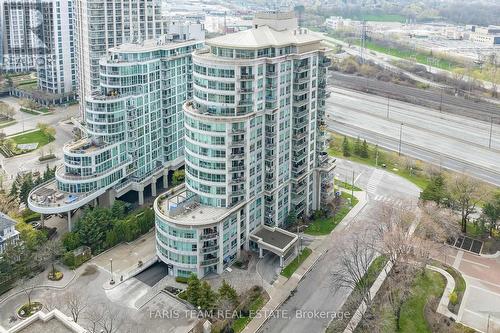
x: 375, y: 178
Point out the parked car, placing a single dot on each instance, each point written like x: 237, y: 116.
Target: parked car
x: 36, y: 224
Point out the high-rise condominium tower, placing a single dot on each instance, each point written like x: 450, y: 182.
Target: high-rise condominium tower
x: 103, y: 24
x: 38, y: 35
x: 133, y: 130
x: 254, y: 147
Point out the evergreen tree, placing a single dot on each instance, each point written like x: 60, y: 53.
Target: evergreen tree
x: 491, y: 212
x: 25, y: 189
x: 435, y: 190
x: 14, y: 191
x: 193, y: 290
x: 357, y: 146
x: 228, y: 293
x: 118, y: 209
x: 208, y: 297
x: 346, y: 147
x: 364, y: 150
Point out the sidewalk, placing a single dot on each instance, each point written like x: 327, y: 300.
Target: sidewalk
x: 282, y: 287
x: 45, y: 283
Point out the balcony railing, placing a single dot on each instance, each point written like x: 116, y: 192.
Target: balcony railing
x: 211, y: 235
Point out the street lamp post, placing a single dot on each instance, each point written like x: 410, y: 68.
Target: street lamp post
x: 491, y: 131
x: 400, y: 138
x: 111, y: 264
x: 388, y: 106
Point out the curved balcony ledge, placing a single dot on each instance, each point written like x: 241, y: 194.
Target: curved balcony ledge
x: 177, y: 207
x: 64, y: 177
x: 84, y: 147
x: 46, y: 198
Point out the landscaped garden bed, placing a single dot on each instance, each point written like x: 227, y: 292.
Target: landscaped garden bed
x: 29, y: 309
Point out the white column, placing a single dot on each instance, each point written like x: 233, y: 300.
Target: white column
x: 141, y: 197
x: 281, y: 261
x: 153, y: 187
x: 261, y: 255
x: 165, y: 179
x: 70, y: 225
x: 42, y: 220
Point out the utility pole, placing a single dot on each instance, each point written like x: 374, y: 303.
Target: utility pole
x: 400, y: 138
x: 491, y: 131
x: 363, y: 39
x: 441, y: 102
x: 376, y: 155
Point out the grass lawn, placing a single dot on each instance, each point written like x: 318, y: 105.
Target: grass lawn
x: 240, y: 323
x: 348, y: 186
x: 384, y: 157
x: 459, y: 283
x: 379, y: 18
x: 401, y: 52
x: 292, y: 267
x: 325, y: 225
x: 7, y: 123
x: 29, y: 111
x: 374, y: 270
x: 32, y: 137
x: 412, y: 315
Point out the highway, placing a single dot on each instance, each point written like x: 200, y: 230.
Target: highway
x: 451, y: 141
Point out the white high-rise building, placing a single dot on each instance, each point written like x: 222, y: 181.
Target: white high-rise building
x: 103, y: 24
x: 134, y: 129
x: 255, y: 148
x: 38, y: 35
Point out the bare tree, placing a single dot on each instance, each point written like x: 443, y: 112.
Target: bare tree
x: 465, y: 194
x: 398, y: 291
x: 393, y: 231
x: 29, y: 285
x: 93, y: 317
x: 75, y: 303
x: 48, y: 253
x: 355, y: 260
x: 102, y: 318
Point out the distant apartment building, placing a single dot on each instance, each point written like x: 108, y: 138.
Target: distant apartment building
x: 485, y: 35
x: 340, y: 23
x: 103, y: 24
x: 255, y: 148
x: 180, y: 28
x: 37, y: 35
x: 8, y: 232
x: 134, y: 128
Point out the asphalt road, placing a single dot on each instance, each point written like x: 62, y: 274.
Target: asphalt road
x: 454, y: 142
x: 316, y: 291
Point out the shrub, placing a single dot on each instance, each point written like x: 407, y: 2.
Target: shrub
x: 69, y: 259
x: 72, y: 261
x: 181, y: 279
x: 46, y: 157
x: 71, y: 241
x: 453, y: 298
